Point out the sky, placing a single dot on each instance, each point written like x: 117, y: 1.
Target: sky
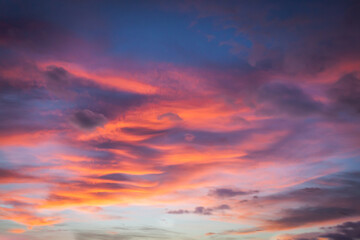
x: 179, y: 120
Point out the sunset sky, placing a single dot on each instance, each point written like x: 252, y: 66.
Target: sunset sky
x: 179, y: 120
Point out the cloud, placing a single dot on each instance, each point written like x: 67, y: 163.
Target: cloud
x: 164, y: 131
x: 344, y: 231
x: 21, y: 111
x: 10, y: 176
x: 202, y: 137
x: 87, y: 120
x: 203, y: 211
x: 17, y: 230
x: 100, y: 236
x: 200, y: 210
x: 142, y: 131
x: 142, y: 151
x: 89, y: 192
x: 307, y: 215
x: 243, y: 231
x: 28, y: 217
x: 129, y: 233
x: 287, y: 98
x: 27, y: 33
x: 325, y: 199
x: 333, y: 197
x: 170, y: 116
x: 115, y: 177
x: 110, y: 102
x: 318, y: 40
x: 228, y: 192
x: 87, y: 93
x: 345, y: 94
x: 180, y: 211
x: 58, y: 81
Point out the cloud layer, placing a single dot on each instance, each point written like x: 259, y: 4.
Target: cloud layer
x: 189, y: 120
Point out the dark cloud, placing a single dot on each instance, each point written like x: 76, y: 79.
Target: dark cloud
x: 334, y: 197
x: 180, y: 211
x: 303, y: 195
x: 25, y: 107
x: 238, y: 80
x: 82, y: 184
x: 112, y: 103
x: 298, y: 134
x: 203, y: 211
x: 87, y: 120
x: 287, y: 98
x: 28, y: 106
x: 344, y: 231
x: 4, y: 174
x: 143, y: 152
x: 115, y: 177
x: 346, y: 94
x: 33, y: 36
x: 309, y: 215
x: 36, y: 37
x: 82, y: 93
x: 8, y: 175
x: 222, y: 207
x: 292, y: 39
x: 26, y: 33
x: 58, y: 81
x: 204, y: 138
x: 170, y: 116
x: 200, y: 210
x: 18, y: 204
x: 326, y: 199
x: 228, y: 192
x: 142, y: 131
